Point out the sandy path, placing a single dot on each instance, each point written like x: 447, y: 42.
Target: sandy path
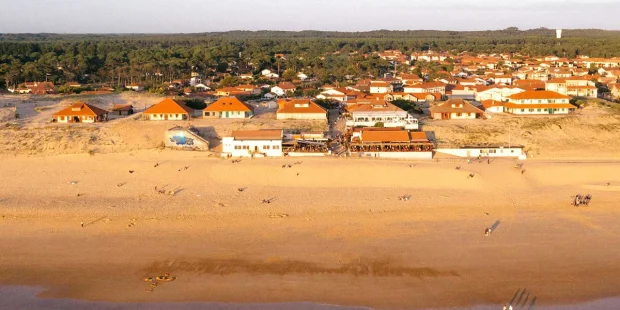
x: 336, y: 233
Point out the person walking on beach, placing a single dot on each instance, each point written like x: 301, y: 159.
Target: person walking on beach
x: 510, y: 307
x: 505, y: 307
x: 82, y: 223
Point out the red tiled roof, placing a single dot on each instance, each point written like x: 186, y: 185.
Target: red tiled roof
x: 492, y: 103
x: 446, y: 107
x: 81, y: 109
x: 542, y: 94
x: 511, y: 105
x: 289, y: 106
x: 228, y: 104
x: 168, y: 106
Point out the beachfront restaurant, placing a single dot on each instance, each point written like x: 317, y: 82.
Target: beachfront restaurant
x: 390, y: 143
x: 305, y: 144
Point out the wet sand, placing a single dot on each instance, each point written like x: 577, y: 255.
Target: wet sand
x: 334, y: 234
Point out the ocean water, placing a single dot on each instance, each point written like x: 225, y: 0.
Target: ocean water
x: 24, y: 297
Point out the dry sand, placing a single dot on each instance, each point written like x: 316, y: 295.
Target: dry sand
x: 336, y: 233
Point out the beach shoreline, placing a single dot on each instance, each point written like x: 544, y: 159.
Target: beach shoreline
x: 335, y: 232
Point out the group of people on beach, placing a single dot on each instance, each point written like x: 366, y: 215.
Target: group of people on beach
x: 581, y: 200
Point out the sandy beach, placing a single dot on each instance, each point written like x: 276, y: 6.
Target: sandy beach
x: 335, y: 231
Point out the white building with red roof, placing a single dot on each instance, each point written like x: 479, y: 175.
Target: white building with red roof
x: 300, y: 109
x: 380, y: 87
x: 253, y: 143
x: 370, y: 112
x: 496, y: 93
x: 80, y: 112
x: 538, y: 103
x: 574, y: 86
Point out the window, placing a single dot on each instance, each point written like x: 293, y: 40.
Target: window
x: 237, y: 147
x: 246, y: 147
x: 531, y: 110
x: 276, y: 147
x: 265, y: 147
x: 538, y: 110
x: 458, y: 114
x: 522, y: 110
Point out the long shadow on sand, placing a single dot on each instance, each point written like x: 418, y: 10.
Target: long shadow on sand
x: 495, y: 225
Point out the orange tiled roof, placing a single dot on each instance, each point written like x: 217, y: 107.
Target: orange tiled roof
x: 385, y: 136
x: 170, y: 106
x: 257, y: 134
x: 542, y: 94
x: 492, y: 103
x: 446, y: 107
x: 288, y: 106
x: 286, y: 85
x: 228, y: 104
x: 81, y: 109
x: 511, y: 105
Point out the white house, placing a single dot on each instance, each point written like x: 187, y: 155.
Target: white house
x: 497, y: 93
x: 168, y: 109
x: 538, y: 103
x: 81, y: 113
x: 283, y: 89
x: 302, y: 76
x: 369, y: 112
x: 300, y: 109
x: 493, y: 106
x: 504, y: 79
x: 267, y: 73
x: 575, y: 86
x: 270, y: 96
x: 253, y: 143
x: 455, y: 109
x: 380, y: 87
x: 135, y: 87
x: 430, y: 87
x: 332, y: 94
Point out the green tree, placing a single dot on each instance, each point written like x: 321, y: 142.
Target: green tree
x: 289, y: 75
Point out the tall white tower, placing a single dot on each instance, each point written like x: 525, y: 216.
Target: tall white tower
x: 558, y: 33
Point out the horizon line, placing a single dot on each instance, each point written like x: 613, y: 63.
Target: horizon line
x: 295, y: 31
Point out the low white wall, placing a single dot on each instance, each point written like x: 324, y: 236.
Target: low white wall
x: 395, y: 155
x: 309, y: 116
x: 484, y: 152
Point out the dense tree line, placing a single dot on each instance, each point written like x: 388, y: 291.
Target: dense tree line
x: 330, y: 56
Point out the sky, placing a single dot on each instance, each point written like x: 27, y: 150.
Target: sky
x: 191, y: 16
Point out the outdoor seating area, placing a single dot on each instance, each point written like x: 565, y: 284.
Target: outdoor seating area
x: 302, y: 146
x: 391, y: 147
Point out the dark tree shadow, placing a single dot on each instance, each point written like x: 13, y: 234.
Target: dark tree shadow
x: 532, y: 303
